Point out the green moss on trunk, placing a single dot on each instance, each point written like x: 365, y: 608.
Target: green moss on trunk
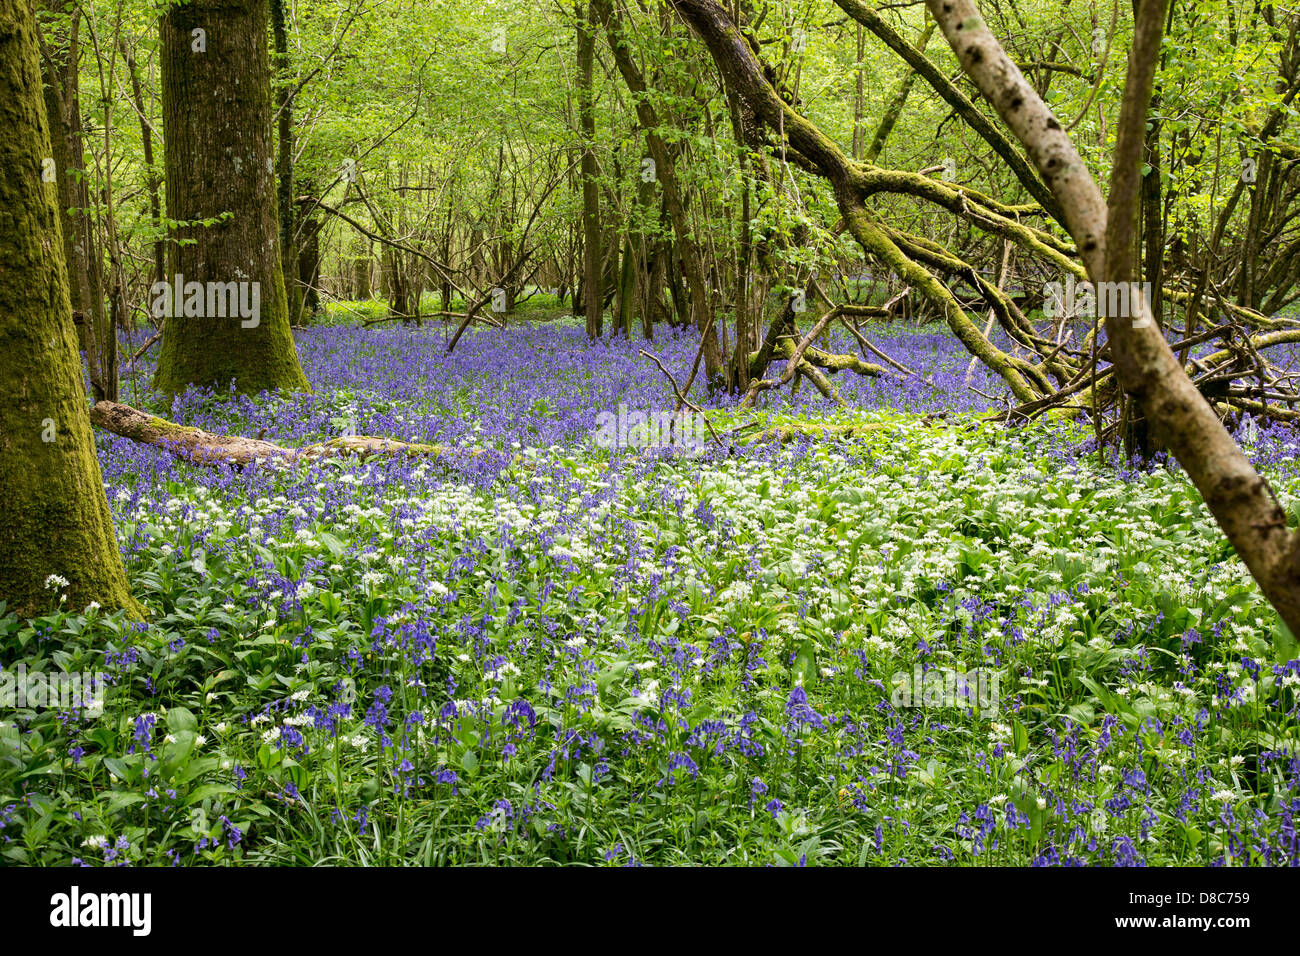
x: 219, y: 165
x: 54, y: 518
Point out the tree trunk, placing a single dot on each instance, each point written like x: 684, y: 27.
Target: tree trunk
x: 665, y: 172
x: 852, y: 185
x: 593, y: 290
x: 309, y: 269
x: 895, y: 108
x: 60, y: 63
x: 738, y: 367
x: 206, y: 448
x: 153, y: 183
x: 54, y: 517
x: 1240, y: 499
x: 952, y: 94
x: 361, y: 274
x: 219, y: 165
x: 284, y: 163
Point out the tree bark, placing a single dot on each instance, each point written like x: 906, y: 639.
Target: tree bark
x: 60, y: 63
x: 895, y: 108
x: 284, y: 162
x: 592, y: 287
x: 309, y: 269
x: 954, y: 97
x: 666, y: 175
x: 54, y: 517
x: 1239, y: 498
x: 220, y: 166
x: 851, y: 182
x: 153, y: 183
x: 205, y: 448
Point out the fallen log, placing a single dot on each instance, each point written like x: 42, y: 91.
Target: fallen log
x: 205, y: 448
x: 785, y: 434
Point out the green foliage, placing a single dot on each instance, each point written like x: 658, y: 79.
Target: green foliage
x: 1105, y: 608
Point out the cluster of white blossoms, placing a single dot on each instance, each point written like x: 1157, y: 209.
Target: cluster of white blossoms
x: 847, y: 548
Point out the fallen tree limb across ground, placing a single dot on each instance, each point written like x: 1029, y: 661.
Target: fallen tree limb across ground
x: 205, y: 448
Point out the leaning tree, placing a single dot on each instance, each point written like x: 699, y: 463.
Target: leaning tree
x: 1042, y: 372
x: 54, y: 517
x: 1240, y: 499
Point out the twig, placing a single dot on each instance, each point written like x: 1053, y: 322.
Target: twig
x: 682, y: 400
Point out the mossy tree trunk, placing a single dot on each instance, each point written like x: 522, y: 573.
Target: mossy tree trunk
x: 54, y: 517
x: 361, y: 270
x: 289, y: 250
x: 205, y: 448
x: 153, y: 182
x: 1104, y: 230
x: 216, y: 99
x: 692, y: 261
x: 852, y: 182
x: 632, y: 272
x: 309, y: 270
x: 592, y: 287
x: 60, y: 64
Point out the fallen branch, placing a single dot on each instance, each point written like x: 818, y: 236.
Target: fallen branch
x: 682, y: 399
x: 785, y: 434
x: 145, y: 348
x: 482, y: 317
x: 205, y: 448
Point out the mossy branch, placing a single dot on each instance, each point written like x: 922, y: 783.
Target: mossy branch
x: 205, y: 448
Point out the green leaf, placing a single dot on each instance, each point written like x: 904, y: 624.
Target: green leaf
x: 179, y: 718
x: 1284, y: 642
x: 611, y: 674
x: 805, y: 664
x: 120, y: 799
x: 469, y: 762
x: 1019, y: 736
x: 334, y: 545
x: 117, y: 767
x: 207, y: 790
x: 175, y: 754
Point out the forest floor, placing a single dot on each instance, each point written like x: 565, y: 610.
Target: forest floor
x: 564, y: 652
